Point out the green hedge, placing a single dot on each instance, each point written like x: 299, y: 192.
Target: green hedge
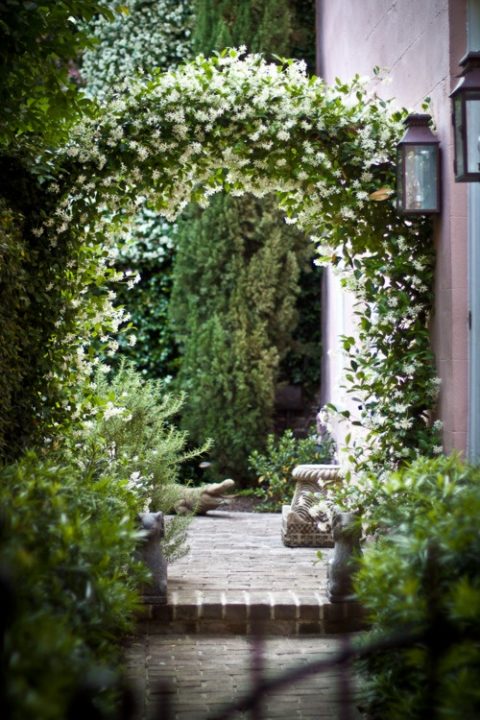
x: 31, y: 276
x: 430, y: 512
x: 68, y: 544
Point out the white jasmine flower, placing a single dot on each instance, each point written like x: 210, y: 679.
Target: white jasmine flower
x: 113, y: 411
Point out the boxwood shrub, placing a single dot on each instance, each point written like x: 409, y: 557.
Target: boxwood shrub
x: 426, y: 561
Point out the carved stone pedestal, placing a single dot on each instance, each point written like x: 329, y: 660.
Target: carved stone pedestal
x: 299, y: 528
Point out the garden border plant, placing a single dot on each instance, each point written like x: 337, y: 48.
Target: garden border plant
x: 239, y: 124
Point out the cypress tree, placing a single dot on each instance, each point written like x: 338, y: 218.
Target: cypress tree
x: 237, y: 270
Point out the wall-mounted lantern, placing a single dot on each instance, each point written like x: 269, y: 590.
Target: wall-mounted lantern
x: 418, y: 168
x: 466, y: 120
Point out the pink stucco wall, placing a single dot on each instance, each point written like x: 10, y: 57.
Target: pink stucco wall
x: 420, y: 43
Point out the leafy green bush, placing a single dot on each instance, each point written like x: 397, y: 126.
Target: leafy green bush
x: 127, y: 431
x: 429, y: 510
x: 38, y: 41
x: 274, y: 466
x: 71, y: 535
x: 68, y: 543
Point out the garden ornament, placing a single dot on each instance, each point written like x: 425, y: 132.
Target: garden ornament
x: 306, y: 521
x: 199, y: 500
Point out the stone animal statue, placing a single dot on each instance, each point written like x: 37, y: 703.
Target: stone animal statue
x: 199, y: 500
x: 151, y: 553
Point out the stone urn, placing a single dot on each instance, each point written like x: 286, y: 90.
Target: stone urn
x: 301, y: 526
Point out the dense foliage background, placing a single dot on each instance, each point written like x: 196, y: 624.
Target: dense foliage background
x: 39, y: 103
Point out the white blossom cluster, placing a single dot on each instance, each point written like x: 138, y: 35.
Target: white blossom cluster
x: 153, y: 33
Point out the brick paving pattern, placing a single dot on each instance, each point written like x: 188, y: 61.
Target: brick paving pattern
x: 205, y: 673
x: 237, y: 574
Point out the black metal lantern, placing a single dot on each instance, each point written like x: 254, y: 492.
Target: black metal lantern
x: 466, y: 120
x: 418, y: 168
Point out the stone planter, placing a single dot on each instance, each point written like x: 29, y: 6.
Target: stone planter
x: 299, y: 528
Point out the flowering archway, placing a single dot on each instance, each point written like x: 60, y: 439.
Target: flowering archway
x: 241, y: 125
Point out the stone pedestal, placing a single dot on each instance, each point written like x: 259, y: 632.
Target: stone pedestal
x: 299, y: 528
x: 347, y: 533
x: 151, y: 553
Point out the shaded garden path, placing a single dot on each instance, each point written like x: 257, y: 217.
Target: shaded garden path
x: 238, y: 575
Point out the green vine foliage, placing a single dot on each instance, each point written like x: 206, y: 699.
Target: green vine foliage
x: 145, y: 254
x: 38, y: 95
x: 32, y: 274
x: 143, y: 37
x: 40, y: 100
x: 244, y: 125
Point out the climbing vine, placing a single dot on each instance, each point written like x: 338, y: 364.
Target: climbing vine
x: 237, y: 123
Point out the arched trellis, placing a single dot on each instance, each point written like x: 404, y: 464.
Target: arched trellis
x: 238, y: 124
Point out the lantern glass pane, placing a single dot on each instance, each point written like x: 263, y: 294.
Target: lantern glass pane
x: 472, y: 106
x: 459, y: 148
x: 421, y: 177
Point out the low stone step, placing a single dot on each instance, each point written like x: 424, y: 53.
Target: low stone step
x: 239, y: 575
x: 246, y: 614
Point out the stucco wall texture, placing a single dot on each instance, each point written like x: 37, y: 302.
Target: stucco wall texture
x: 419, y: 43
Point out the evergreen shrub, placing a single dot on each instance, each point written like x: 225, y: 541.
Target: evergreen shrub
x: 68, y: 546
x: 128, y: 431
x: 233, y: 311
x: 429, y: 514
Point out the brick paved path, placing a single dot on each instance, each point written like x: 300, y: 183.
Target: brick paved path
x: 238, y: 573
x: 206, y: 672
